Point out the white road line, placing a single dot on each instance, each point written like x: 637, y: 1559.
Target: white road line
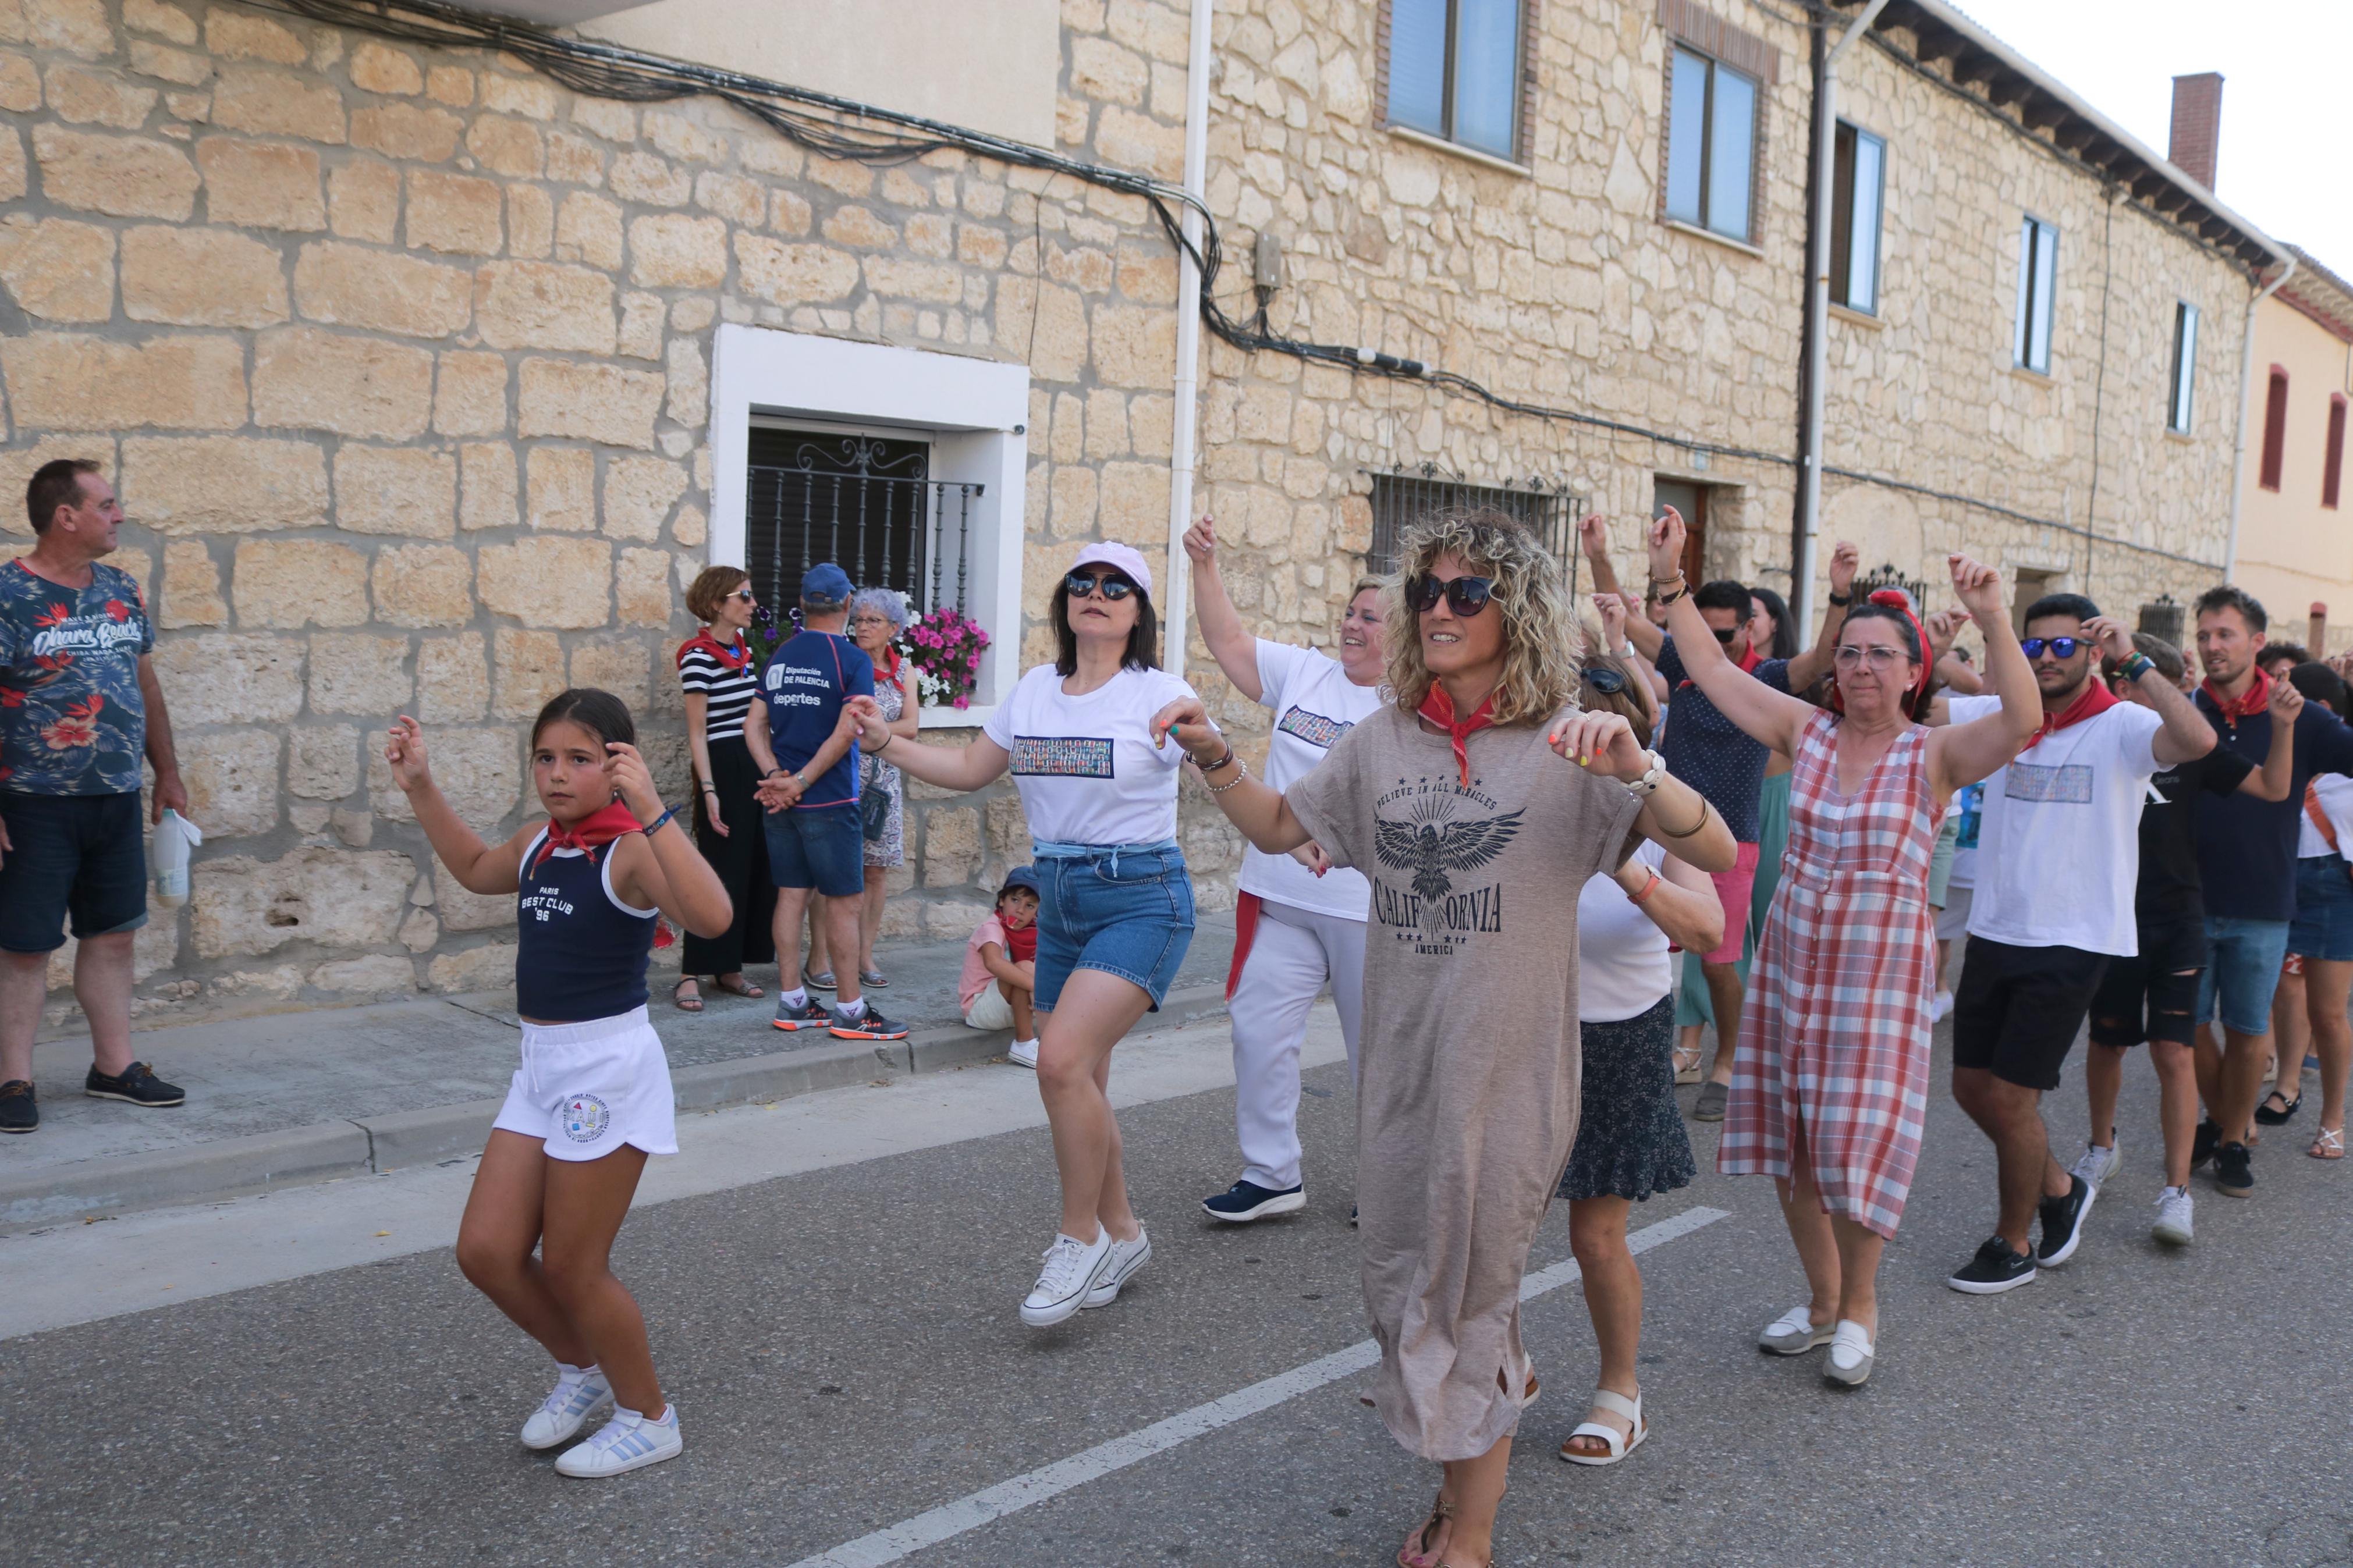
x: 968, y: 1513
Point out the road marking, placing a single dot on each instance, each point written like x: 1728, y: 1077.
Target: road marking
x: 1048, y: 1481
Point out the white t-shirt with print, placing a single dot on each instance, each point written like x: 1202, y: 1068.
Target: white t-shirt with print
x: 1314, y: 703
x: 1086, y: 766
x: 2059, y: 838
x: 2335, y: 794
x: 1623, y: 963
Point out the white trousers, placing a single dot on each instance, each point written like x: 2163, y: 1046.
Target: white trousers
x: 1297, y: 953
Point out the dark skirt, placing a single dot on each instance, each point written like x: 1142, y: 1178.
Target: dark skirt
x: 741, y: 858
x: 1631, y: 1140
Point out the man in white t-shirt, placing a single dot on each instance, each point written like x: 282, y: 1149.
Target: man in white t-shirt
x: 1300, y: 923
x: 2058, y: 861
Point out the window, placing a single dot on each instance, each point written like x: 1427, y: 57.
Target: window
x: 2185, y: 366
x: 2038, y: 284
x: 1857, y: 183
x: 1399, y: 500
x: 2332, y: 463
x: 2275, y: 429
x: 1454, y: 71
x: 867, y: 503
x: 1711, y: 144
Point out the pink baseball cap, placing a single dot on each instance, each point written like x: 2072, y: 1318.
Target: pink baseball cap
x: 1127, y: 558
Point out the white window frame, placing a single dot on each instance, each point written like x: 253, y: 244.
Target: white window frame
x: 2037, y: 306
x: 973, y: 413
x: 2181, y: 412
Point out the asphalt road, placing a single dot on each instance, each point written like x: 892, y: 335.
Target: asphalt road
x: 841, y: 1343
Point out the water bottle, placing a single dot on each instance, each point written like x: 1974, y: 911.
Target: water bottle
x: 168, y: 858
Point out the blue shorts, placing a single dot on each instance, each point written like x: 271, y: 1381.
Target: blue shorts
x: 2323, y: 927
x: 2242, y: 972
x: 74, y: 855
x: 1129, y: 915
x: 821, y: 848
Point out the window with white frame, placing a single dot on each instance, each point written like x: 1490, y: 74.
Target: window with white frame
x: 2038, y: 287
x: 1858, y: 186
x: 1710, y: 145
x: 1454, y: 71
x: 2182, y: 405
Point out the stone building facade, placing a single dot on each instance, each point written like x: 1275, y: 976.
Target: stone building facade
x: 426, y: 380
x: 2296, y: 554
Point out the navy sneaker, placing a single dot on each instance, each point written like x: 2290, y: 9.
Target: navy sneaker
x: 2063, y: 1223
x: 869, y: 1025
x: 1994, y: 1269
x: 137, y: 1085
x: 2234, y: 1170
x: 811, y: 1014
x: 19, y: 1110
x: 1246, y: 1201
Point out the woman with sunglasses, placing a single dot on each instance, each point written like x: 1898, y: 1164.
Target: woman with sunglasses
x: 720, y: 677
x: 1115, y: 911
x: 1831, y: 1079
x: 1472, y: 800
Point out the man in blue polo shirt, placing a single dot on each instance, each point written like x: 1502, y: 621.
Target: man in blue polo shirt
x: 809, y: 757
x: 2246, y: 863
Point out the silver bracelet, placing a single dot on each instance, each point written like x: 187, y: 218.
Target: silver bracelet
x: 1241, y: 772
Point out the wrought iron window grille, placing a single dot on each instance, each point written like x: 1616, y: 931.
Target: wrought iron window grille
x: 865, y: 503
x: 1888, y: 576
x: 1401, y: 498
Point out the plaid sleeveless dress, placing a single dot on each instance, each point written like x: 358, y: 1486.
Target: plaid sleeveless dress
x: 1834, y: 1040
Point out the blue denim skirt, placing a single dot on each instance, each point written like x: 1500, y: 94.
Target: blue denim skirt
x: 1127, y: 912
x: 2322, y: 928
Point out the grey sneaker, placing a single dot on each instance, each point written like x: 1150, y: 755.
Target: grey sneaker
x: 2173, y: 1225
x: 2098, y: 1164
x: 811, y: 1014
x: 1709, y: 1105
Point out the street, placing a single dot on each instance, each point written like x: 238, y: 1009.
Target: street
x: 830, y: 1284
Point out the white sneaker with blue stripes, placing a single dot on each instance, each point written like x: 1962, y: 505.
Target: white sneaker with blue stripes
x: 579, y: 1393
x: 627, y: 1442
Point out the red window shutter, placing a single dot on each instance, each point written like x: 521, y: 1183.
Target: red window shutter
x: 2275, y: 429
x: 2332, y: 464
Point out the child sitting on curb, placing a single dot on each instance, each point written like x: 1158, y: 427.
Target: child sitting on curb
x: 1000, y: 967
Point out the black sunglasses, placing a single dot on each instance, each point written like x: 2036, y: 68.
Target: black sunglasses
x: 2061, y: 647
x: 1604, y: 679
x: 1466, y: 596
x: 1086, y: 585
x: 1726, y: 634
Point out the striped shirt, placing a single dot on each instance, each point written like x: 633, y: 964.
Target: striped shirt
x: 729, y: 691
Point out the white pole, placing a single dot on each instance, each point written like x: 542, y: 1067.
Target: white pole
x: 2246, y: 390
x: 1175, y: 587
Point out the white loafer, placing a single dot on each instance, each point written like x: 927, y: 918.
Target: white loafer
x: 1619, y: 1445
x: 1851, y: 1354
x: 1793, y: 1333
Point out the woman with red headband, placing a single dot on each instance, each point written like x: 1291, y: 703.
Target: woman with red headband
x: 1829, y: 1082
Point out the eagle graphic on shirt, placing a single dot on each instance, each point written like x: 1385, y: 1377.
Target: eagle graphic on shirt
x: 1429, y: 847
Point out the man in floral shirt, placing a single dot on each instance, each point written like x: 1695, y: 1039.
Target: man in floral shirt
x: 80, y: 705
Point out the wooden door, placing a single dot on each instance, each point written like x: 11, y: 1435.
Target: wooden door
x: 1690, y: 500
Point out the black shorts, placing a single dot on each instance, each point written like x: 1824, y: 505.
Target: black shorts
x: 76, y: 856
x: 2155, y: 995
x: 2018, y: 1008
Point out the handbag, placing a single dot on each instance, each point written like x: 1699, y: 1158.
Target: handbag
x: 873, y: 803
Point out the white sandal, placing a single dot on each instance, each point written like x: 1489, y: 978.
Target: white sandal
x: 1693, y: 1072
x: 1620, y: 1445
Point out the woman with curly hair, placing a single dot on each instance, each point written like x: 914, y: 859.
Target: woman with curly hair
x: 1472, y: 801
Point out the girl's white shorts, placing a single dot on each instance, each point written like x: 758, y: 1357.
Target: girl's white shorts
x: 587, y: 1089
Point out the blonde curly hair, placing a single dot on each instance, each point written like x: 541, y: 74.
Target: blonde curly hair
x: 1540, y: 632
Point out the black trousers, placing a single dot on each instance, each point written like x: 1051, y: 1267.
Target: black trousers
x: 741, y: 858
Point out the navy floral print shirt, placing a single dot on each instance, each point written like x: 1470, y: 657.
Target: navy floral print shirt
x: 71, y: 720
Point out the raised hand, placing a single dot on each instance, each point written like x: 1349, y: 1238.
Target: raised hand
x: 404, y: 751
x: 1593, y: 537
x: 2114, y: 641
x: 1846, y: 558
x: 1601, y: 742
x: 1201, y: 541
x: 1612, y: 610
x: 2286, y: 702
x: 1666, y: 542
x: 1979, y: 586
x: 1942, y: 629
x: 1186, y: 721
x: 632, y: 780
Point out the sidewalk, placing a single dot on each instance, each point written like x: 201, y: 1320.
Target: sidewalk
x: 307, y: 1097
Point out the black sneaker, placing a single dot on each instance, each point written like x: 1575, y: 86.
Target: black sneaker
x: 2234, y: 1172
x: 2063, y: 1223
x: 1246, y: 1201
x: 19, y: 1110
x: 811, y: 1014
x: 870, y: 1024
x: 2208, y: 1139
x: 1994, y: 1269
x: 138, y: 1086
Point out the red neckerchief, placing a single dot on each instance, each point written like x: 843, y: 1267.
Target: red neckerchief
x: 592, y: 832
x: 1749, y: 661
x: 2096, y: 700
x: 1439, y: 709
x: 2258, y: 697
x: 1021, y: 946
x: 897, y: 660
x: 734, y: 657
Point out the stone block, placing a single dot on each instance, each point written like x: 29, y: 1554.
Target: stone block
x: 379, y: 68
x: 789, y: 212
x: 563, y: 495
x: 470, y: 394
x: 588, y: 229
x: 14, y: 175
x: 1135, y: 346
x: 951, y: 845
x: 242, y: 36
x: 201, y: 278
x: 379, y: 976
x: 76, y: 27
x: 641, y: 588
x: 574, y: 160
x: 903, y: 278
x: 692, y: 527
x: 87, y: 95
x: 1050, y: 320
x: 861, y: 228
x: 454, y: 212
x: 680, y: 137
x: 1102, y: 71
x: 332, y: 898
x: 487, y: 492
x: 609, y: 118
x: 223, y: 484
x: 420, y: 932
x: 531, y: 221
x: 588, y: 401
x: 641, y: 326
x: 486, y: 968
x: 231, y: 678
x: 180, y: 66
x: 453, y: 680
x: 353, y: 672
x: 20, y: 84
x: 548, y: 580
x: 364, y: 200
x: 1138, y: 141
x: 122, y: 176
x: 165, y: 21
x: 276, y: 103
x: 1135, y: 502
x: 642, y: 178
x: 263, y: 184
x: 530, y: 671
x: 618, y: 665
x: 59, y: 270
x: 290, y: 583
x: 382, y: 292
x: 323, y: 762
x: 793, y: 274
x: 307, y: 379
x: 58, y: 381
x: 509, y: 147
x: 674, y: 250
x: 519, y: 95
x: 1009, y: 830
x: 191, y: 591
x: 740, y: 201
x: 543, y: 305
x: 690, y: 384
x: 452, y: 85
x: 395, y: 489
x: 459, y: 910
x: 639, y: 494
x: 232, y: 779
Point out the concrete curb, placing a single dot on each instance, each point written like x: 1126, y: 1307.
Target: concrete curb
x: 404, y: 1140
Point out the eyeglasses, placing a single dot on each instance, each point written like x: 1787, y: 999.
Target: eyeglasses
x: 1726, y: 634
x: 2061, y: 647
x: 1466, y: 596
x: 1604, y: 679
x: 869, y: 620
x: 1086, y: 585
x: 742, y: 593
x: 1880, y: 656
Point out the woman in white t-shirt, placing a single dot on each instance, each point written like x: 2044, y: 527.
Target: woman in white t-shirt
x: 1300, y: 925
x: 1115, y: 914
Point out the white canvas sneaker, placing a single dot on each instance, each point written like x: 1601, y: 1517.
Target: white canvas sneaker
x: 577, y: 1397
x: 627, y: 1442
x: 1126, y: 1257
x: 1073, y: 1268
x: 2098, y: 1164
x: 1023, y: 1054
x: 2173, y: 1224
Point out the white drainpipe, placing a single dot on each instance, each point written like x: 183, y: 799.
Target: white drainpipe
x: 2246, y: 390
x: 1175, y: 596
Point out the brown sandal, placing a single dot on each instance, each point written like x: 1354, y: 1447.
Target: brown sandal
x: 1440, y: 1510
x: 746, y: 989
x: 686, y: 1004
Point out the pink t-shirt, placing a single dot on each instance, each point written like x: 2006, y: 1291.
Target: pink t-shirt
x: 975, y: 977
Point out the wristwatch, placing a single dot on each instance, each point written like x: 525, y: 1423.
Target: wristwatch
x: 1840, y: 599
x: 1653, y: 776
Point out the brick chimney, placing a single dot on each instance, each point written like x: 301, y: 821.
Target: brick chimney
x: 2196, y: 125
